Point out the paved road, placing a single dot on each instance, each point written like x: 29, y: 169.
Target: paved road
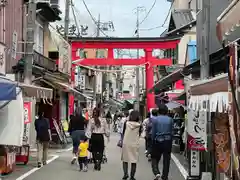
x: 60, y: 169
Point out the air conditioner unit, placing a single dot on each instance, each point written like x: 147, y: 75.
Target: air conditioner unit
x: 43, y: 1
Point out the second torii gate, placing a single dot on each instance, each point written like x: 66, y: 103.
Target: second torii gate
x: 147, y: 44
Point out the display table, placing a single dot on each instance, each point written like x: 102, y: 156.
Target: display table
x: 22, y: 155
x: 7, y: 161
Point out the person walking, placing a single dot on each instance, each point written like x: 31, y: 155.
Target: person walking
x: 153, y: 115
x: 43, y: 131
x: 76, y: 129
x: 144, y: 133
x: 162, y: 127
x: 130, y: 144
x: 83, y: 154
x: 96, y: 129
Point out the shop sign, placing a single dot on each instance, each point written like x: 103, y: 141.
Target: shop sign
x: 27, y: 112
x: 81, y: 81
x: 2, y: 59
x: 64, y: 65
x: 197, y: 130
x: 99, y: 83
x: 27, y: 121
x: 195, y: 163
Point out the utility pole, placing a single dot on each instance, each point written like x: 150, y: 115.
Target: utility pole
x: 31, y: 17
x: 66, y: 19
x: 137, y: 93
x: 95, y: 78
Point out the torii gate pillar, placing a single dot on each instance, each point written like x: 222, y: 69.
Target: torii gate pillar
x: 149, y: 73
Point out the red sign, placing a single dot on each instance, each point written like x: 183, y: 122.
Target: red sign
x: 27, y: 113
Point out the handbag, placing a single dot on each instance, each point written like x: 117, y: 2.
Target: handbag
x: 120, y: 142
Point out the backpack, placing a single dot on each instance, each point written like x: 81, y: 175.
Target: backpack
x: 43, y: 134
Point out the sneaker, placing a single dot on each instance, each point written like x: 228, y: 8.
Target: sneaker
x: 146, y: 151
x: 132, y: 178
x: 44, y: 163
x: 125, y: 177
x: 39, y: 164
x: 158, y: 176
x: 73, y: 160
x: 85, y: 169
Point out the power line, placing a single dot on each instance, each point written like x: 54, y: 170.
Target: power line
x: 94, y: 20
x: 74, y: 16
x: 160, y: 26
x: 154, y: 3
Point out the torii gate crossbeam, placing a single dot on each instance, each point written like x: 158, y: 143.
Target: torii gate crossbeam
x: 148, y: 44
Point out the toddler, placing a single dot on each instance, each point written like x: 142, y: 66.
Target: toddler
x: 83, y: 154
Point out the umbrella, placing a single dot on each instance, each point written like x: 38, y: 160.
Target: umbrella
x: 7, y: 89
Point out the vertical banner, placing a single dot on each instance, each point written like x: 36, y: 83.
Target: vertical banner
x: 99, y: 83
x: 232, y: 116
x: 197, y: 130
x: 2, y: 59
x: 27, y: 121
x: 81, y: 81
x: 221, y: 139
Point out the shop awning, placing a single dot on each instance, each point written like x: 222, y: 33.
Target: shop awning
x: 229, y: 20
x: 7, y: 89
x: 68, y: 88
x: 115, y: 102
x: 167, y: 81
x: 36, y: 91
x: 181, y: 96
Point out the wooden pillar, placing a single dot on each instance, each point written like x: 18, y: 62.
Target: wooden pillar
x: 149, y: 79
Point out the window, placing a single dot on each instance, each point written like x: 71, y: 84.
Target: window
x: 172, y: 53
x: 82, y: 53
x: 39, y: 38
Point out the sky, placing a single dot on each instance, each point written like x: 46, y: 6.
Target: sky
x: 122, y: 14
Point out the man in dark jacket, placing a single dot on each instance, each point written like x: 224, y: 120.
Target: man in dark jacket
x: 162, y: 133
x: 43, y: 131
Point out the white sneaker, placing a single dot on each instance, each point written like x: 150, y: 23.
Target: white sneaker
x: 158, y: 176
x: 146, y: 152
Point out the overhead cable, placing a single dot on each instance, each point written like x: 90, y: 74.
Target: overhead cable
x: 93, y: 19
x: 148, y: 13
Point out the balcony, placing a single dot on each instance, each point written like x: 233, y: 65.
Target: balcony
x: 44, y: 62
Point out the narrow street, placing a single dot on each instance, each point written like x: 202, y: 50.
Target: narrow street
x: 61, y: 169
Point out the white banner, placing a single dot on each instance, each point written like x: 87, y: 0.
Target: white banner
x: 197, y: 130
x: 81, y: 81
x: 2, y: 59
x: 99, y: 83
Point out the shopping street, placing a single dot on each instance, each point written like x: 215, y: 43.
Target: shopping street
x: 59, y: 167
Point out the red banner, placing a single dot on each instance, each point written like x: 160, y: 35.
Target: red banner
x: 27, y: 113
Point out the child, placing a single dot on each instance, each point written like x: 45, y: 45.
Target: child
x: 83, y: 154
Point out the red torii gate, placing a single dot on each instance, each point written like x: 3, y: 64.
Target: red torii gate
x: 148, y: 44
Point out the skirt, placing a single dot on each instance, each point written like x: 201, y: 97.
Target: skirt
x: 97, y: 143
x: 76, y: 137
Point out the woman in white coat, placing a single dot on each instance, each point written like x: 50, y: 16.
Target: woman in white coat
x: 130, y: 145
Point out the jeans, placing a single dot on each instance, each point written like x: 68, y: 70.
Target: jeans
x: 133, y: 169
x: 42, y: 151
x: 158, y: 149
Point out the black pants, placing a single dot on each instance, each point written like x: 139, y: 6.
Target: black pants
x: 133, y: 169
x: 158, y: 149
x: 149, y: 144
x: 97, y: 147
x: 146, y: 143
x: 83, y: 161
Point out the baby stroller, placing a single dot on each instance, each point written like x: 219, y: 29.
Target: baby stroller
x: 104, y: 159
